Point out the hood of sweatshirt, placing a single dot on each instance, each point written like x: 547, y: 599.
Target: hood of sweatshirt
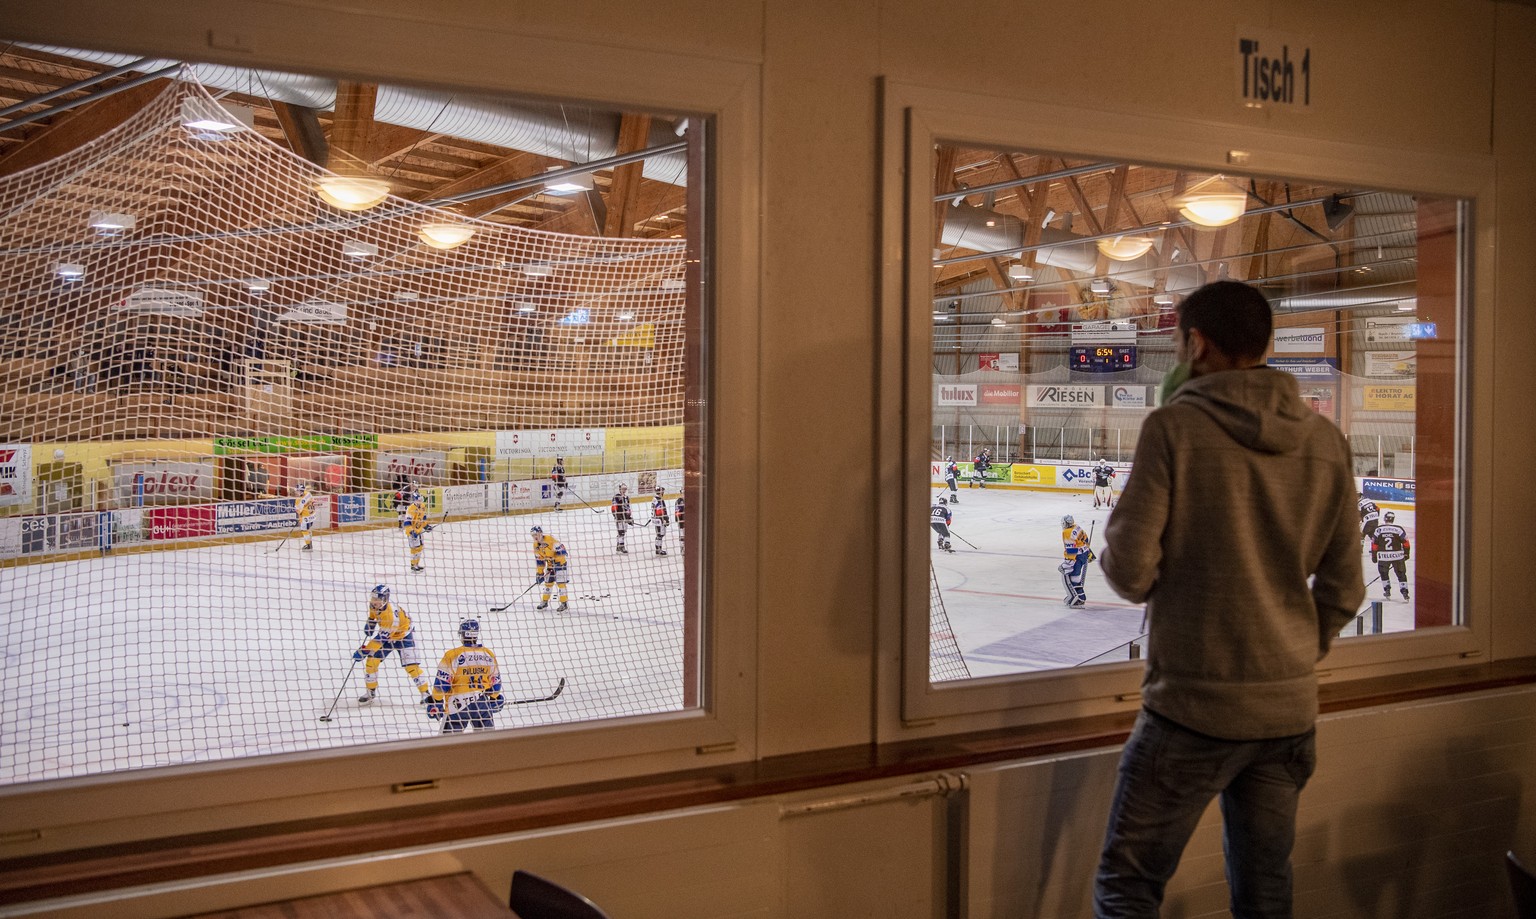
x: 1259, y: 407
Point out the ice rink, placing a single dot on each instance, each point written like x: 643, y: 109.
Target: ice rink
x: 1004, y: 595
x: 202, y: 654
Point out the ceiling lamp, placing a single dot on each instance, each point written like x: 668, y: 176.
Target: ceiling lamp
x: 112, y: 224
x: 1215, y: 202
x: 258, y: 286
x: 353, y: 248
x: 998, y: 320
x: 626, y: 317
x: 1125, y: 248
x: 1019, y: 271
x: 208, y: 116
x: 538, y: 271
x: 1163, y: 299
x: 568, y: 185
x: 352, y: 193
x: 445, y: 235
x: 1099, y: 286
x: 69, y: 271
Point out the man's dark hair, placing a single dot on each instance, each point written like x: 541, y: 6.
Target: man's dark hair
x: 1232, y: 316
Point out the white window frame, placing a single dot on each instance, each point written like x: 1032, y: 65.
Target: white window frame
x: 915, y: 119
x: 420, y: 50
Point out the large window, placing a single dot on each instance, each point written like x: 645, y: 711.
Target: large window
x: 280, y: 346
x: 1045, y: 260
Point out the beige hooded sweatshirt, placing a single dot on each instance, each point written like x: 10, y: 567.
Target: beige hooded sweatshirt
x: 1238, y: 530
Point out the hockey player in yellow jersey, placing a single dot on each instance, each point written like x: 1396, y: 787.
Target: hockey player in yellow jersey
x: 415, y: 525
x: 1076, y: 554
x: 388, y: 628
x: 466, y: 692
x: 304, y: 507
x: 551, y: 559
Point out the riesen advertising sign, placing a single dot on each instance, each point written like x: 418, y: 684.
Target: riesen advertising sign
x: 1065, y: 396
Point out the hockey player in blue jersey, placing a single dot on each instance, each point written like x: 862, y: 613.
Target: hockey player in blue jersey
x: 1370, y: 518
x: 952, y: 479
x: 466, y: 692
x: 1076, y: 555
x: 388, y: 629
x: 940, y: 517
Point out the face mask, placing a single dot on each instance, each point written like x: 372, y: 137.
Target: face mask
x: 1177, y: 376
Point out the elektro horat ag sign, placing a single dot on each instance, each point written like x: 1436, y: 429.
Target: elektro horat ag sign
x: 1274, y: 70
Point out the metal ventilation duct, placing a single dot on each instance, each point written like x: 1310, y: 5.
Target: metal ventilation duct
x: 563, y: 132
x: 1377, y: 296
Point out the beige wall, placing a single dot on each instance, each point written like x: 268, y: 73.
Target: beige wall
x: 1448, y: 78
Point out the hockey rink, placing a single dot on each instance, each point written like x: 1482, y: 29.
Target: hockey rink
x: 204, y: 654
x: 1004, y: 596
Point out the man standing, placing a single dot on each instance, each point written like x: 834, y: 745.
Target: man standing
x: 466, y: 692
x: 1102, y: 490
x: 940, y: 517
x: 952, y: 479
x: 1239, y: 611
x: 622, y: 517
x: 557, y: 475
x: 1075, y: 556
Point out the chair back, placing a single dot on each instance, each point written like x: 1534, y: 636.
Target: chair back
x: 1523, y: 885
x: 534, y: 897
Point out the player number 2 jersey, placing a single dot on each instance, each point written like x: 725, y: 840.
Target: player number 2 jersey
x: 1390, y: 543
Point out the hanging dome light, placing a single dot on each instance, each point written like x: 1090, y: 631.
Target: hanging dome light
x: 1125, y: 248
x: 445, y: 235
x: 352, y: 193
x: 1216, y: 202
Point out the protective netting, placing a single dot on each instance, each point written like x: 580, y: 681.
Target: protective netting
x: 169, y: 382
x: 945, y: 662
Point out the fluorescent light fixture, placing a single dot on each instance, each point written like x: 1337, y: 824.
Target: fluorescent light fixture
x: 538, y: 271
x: 1407, y: 306
x: 1019, y: 271
x: 575, y: 317
x: 200, y: 114
x: 1050, y: 214
x: 108, y: 224
x: 527, y: 308
x: 258, y: 286
x: 991, y: 223
x: 626, y: 317
x: 352, y: 193
x: 1163, y: 299
x: 1099, y: 285
x: 673, y: 284
x: 405, y: 295
x: 568, y: 185
x: 998, y: 320
x: 69, y: 271
x: 1215, y: 202
x: 1125, y: 248
x: 445, y: 235
x: 353, y: 248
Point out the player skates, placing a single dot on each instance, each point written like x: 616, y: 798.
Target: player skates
x: 1405, y: 592
x: 661, y: 551
x: 544, y: 605
x: 1078, y: 602
x: 367, y: 697
x: 308, y: 548
x: 1386, y: 591
x: 621, y: 550
x: 562, y: 607
x: 417, y: 568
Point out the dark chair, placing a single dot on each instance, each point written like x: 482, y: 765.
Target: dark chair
x: 535, y: 898
x: 1523, y: 885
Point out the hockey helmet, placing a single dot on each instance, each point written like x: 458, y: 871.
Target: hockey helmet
x: 379, y: 594
x: 943, y: 500
x: 303, y: 488
x: 623, y: 489
x: 469, y: 631
x: 1067, y: 521
x: 536, y: 532
x: 1389, y: 516
x: 660, y: 491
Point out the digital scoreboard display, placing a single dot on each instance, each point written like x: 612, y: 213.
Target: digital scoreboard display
x: 1101, y: 358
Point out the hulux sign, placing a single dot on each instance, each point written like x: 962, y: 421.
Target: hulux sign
x: 1273, y: 70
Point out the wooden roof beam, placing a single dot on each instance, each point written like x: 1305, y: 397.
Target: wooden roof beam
x: 624, y: 189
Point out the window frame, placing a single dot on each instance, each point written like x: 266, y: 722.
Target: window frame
x: 438, y: 53
x: 914, y: 120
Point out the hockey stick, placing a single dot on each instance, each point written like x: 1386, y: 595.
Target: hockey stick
x: 344, y: 682
x: 558, y: 690
x: 498, y: 609
x: 963, y: 539
x: 280, y: 542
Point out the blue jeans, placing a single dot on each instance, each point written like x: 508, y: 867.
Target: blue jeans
x: 1168, y: 774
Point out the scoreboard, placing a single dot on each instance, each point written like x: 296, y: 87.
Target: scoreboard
x: 1105, y: 358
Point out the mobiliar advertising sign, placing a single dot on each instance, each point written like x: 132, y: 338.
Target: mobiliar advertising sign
x: 1000, y: 394
x: 162, y: 483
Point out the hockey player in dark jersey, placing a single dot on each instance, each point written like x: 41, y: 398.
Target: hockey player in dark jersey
x: 940, y: 517
x: 952, y: 479
x: 1102, y: 490
x: 621, y: 516
x: 1390, y: 551
x: 979, y: 467
x: 557, y: 475
x: 677, y: 515
x: 1370, y: 518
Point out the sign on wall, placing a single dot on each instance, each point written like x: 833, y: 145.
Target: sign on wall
x: 1387, y: 330
x: 1403, y: 364
x: 1128, y: 396
x: 1388, y: 398
x: 15, y: 474
x: 1274, y: 70
x: 1300, y: 340
x: 955, y: 394
x: 1008, y: 362
x: 1065, y: 396
x: 150, y: 484
x: 1004, y: 394
x: 1307, y: 368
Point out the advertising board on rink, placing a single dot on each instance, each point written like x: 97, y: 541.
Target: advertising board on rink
x: 255, y: 516
x: 425, y: 468
x: 15, y: 474
x: 465, y: 500
x: 552, y: 442
x: 159, y: 483
x: 187, y: 522
x: 1400, y: 491
x: 1062, y: 476
x: 1061, y: 395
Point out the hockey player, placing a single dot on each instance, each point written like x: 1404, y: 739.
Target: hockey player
x: 979, y: 467
x: 940, y: 517
x: 659, y: 518
x: 304, y: 507
x: 1102, y: 490
x: 388, y: 629
x: 1074, y: 568
x: 550, y: 559
x: 952, y: 479
x: 1370, y: 518
x: 1390, y: 551
x: 415, y: 525
x: 404, y: 495
x: 466, y: 692
x: 677, y: 515
x: 622, y: 519
x: 557, y: 475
